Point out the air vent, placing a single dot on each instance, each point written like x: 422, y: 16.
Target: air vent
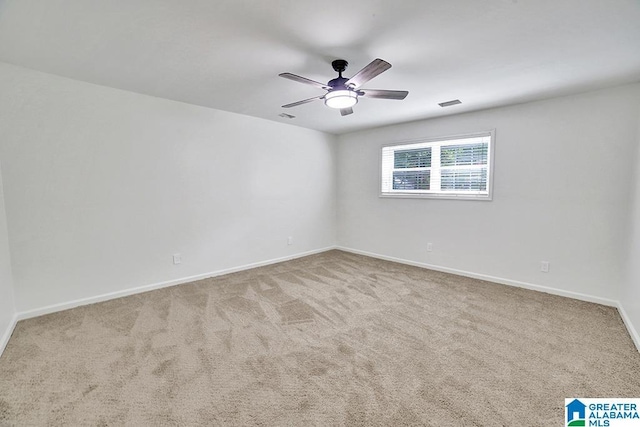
x: 450, y: 103
x: 287, y: 116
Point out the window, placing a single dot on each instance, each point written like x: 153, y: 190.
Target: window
x: 453, y: 167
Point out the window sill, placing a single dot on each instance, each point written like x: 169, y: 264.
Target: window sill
x: 483, y: 197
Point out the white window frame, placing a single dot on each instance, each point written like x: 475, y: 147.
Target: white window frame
x: 436, y: 144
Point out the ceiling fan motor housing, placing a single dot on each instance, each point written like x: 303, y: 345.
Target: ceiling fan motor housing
x: 338, y: 83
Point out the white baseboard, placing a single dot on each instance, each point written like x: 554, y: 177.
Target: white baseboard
x: 501, y: 280
x: 145, y: 288
x: 118, y: 294
x: 635, y: 336
x: 569, y: 294
x: 4, y: 340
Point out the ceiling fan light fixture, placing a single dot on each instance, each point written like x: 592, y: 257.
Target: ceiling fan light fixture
x: 341, y: 98
x: 342, y: 92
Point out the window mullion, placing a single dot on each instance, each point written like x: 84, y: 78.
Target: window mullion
x: 435, y: 168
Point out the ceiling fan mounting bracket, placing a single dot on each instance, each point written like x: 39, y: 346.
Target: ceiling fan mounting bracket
x: 339, y: 65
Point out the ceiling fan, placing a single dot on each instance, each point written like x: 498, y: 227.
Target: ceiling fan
x: 342, y: 93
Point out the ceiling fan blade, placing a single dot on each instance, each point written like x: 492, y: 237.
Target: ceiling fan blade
x: 304, y: 101
x: 346, y: 111
x: 384, y: 94
x: 376, y: 67
x: 305, y: 80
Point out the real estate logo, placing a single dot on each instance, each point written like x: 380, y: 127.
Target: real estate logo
x: 575, y: 413
x: 615, y: 412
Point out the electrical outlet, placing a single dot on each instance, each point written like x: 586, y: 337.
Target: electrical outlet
x: 177, y: 259
x: 429, y: 247
x: 544, y: 266
x: 290, y: 240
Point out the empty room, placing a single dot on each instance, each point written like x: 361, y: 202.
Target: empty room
x: 297, y: 213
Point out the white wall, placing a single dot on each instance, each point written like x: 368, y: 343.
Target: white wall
x: 7, y: 305
x: 630, y: 298
x: 102, y: 186
x: 562, y: 180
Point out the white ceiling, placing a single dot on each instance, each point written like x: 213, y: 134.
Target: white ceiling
x: 227, y: 54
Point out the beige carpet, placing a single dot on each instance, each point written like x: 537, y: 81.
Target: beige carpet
x: 331, y: 339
